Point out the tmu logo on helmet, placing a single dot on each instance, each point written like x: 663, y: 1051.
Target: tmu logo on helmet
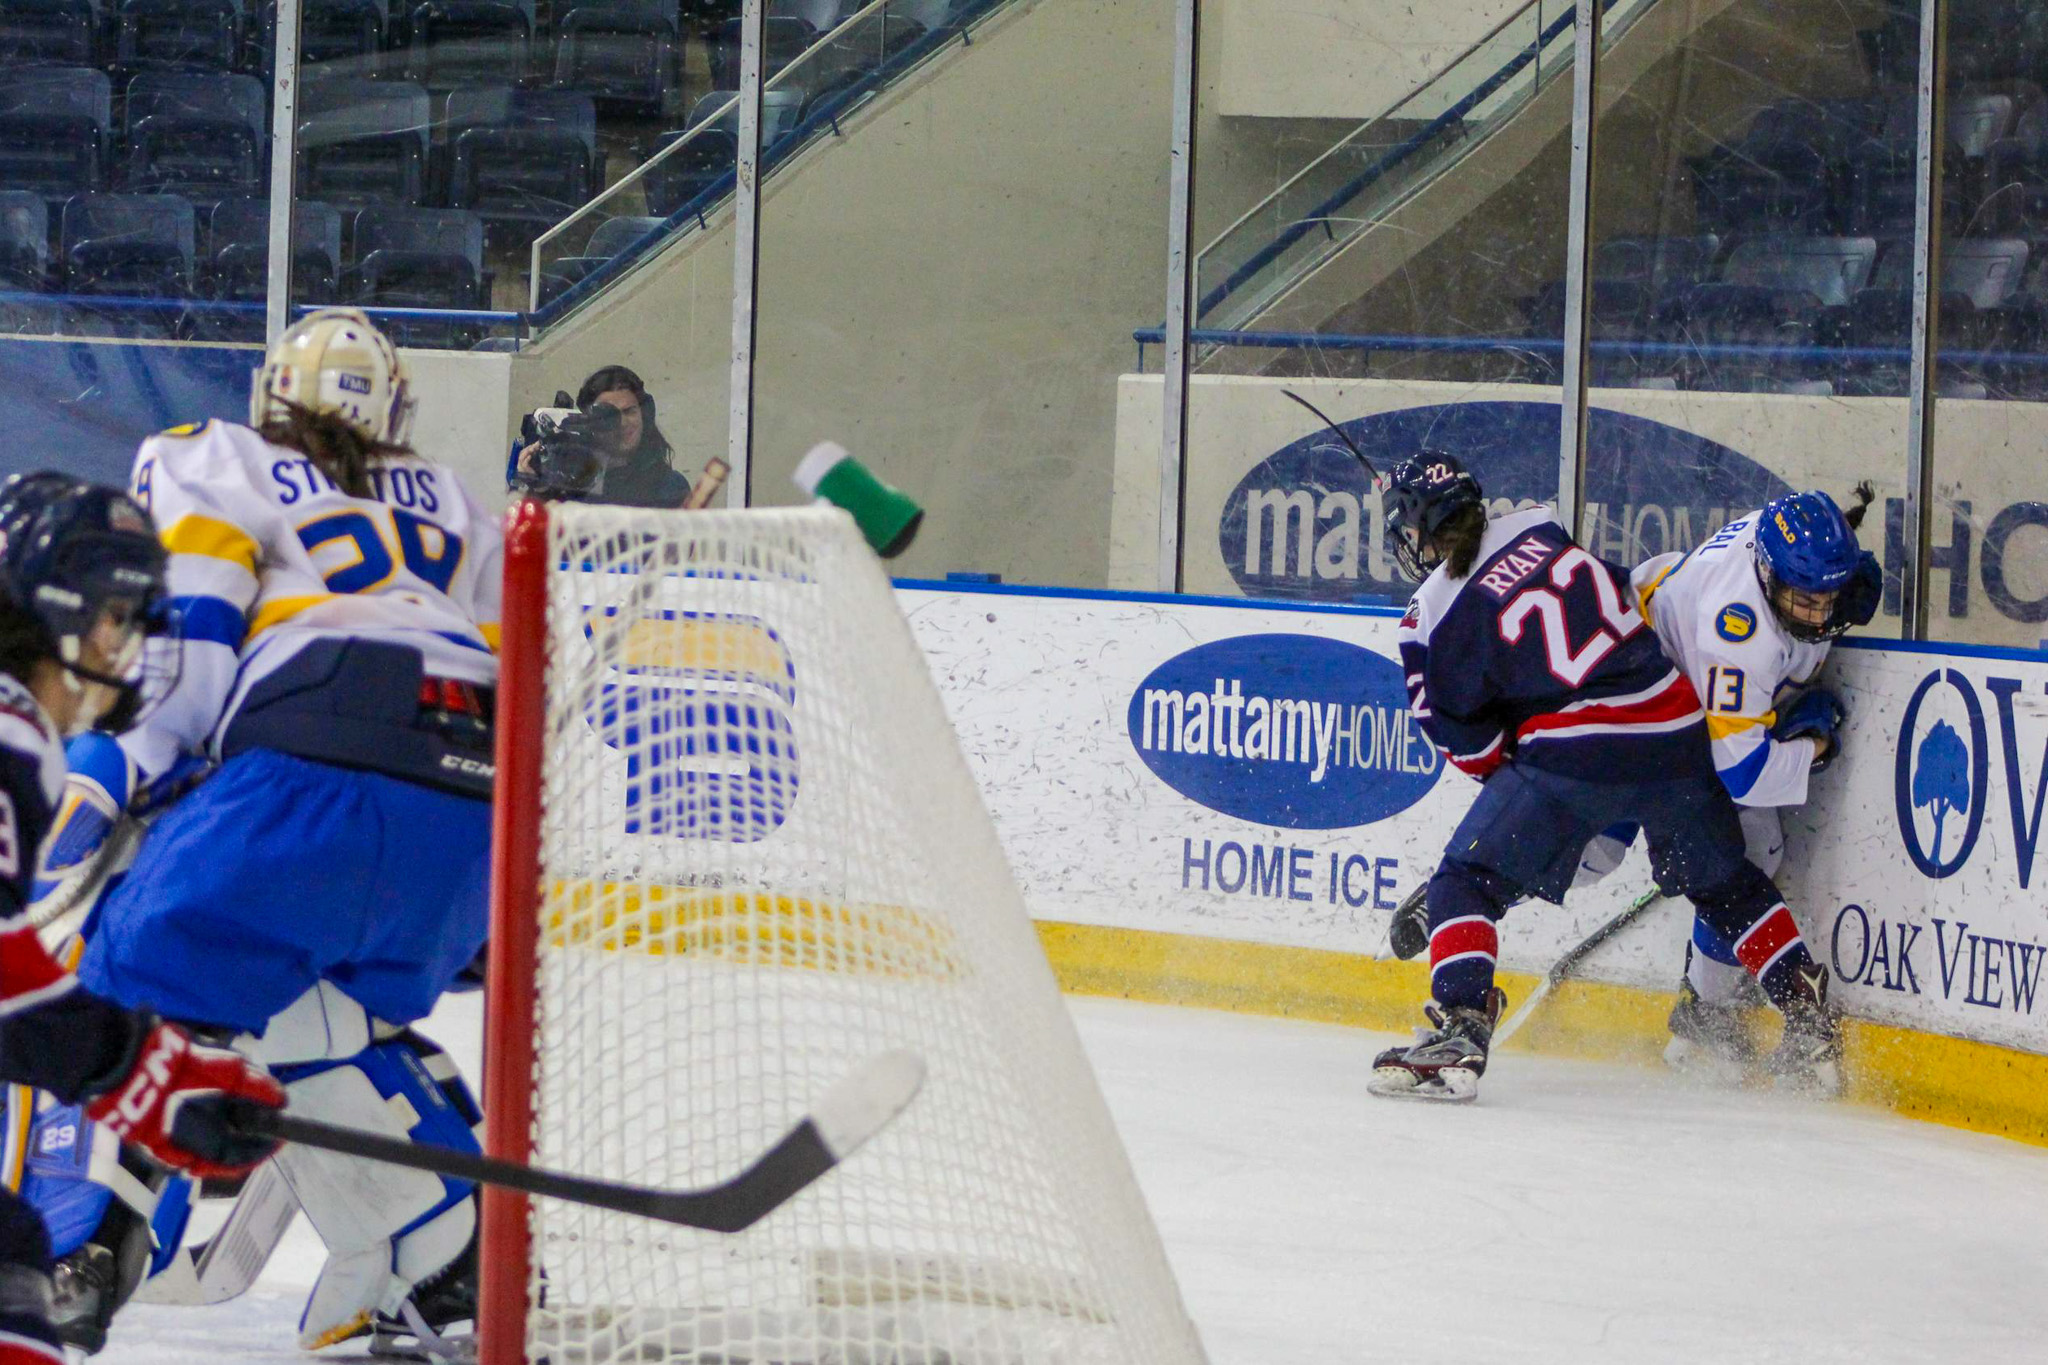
x: 1295, y: 731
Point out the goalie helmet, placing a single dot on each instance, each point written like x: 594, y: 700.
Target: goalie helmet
x: 335, y: 360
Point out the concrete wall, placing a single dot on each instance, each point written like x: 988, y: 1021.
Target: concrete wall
x: 948, y: 288
x: 1342, y: 59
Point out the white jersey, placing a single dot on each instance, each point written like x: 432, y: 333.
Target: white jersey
x: 268, y: 555
x: 1710, y: 614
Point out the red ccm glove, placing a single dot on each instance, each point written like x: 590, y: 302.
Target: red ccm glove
x: 181, y: 1102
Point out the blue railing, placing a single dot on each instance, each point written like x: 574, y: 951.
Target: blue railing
x: 122, y: 303
x: 825, y: 116
x: 1321, y: 214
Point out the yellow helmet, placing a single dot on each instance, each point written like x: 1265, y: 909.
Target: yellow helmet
x: 335, y: 360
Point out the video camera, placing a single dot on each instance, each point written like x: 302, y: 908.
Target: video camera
x: 564, y: 449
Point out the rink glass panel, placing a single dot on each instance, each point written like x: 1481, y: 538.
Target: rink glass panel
x: 1987, y: 504
x: 1395, y: 262
x: 1752, y: 206
x: 951, y: 269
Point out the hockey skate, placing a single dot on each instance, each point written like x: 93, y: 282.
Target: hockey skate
x: 1710, y: 1042
x: 437, y: 1321
x: 1808, y: 1059
x: 1444, y: 1063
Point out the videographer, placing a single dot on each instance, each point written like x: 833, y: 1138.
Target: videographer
x: 605, y: 447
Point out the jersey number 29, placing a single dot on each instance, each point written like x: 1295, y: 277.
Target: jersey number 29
x: 1569, y: 665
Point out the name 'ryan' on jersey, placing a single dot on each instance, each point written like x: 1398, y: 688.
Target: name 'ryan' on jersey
x: 268, y: 556
x: 1539, y: 655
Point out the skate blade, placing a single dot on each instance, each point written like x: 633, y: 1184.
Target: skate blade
x: 1700, y: 1063
x: 1452, y: 1085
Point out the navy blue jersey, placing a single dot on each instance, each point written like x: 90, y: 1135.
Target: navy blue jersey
x: 52, y: 1034
x: 1538, y: 654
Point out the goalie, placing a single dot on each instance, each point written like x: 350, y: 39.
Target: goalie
x: 326, y: 884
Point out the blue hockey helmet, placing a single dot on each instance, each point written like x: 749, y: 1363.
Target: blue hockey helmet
x: 78, y: 560
x: 1806, y: 553
x: 1424, y: 492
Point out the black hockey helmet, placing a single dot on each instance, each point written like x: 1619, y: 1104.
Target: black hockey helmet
x: 75, y: 557
x: 1425, y: 491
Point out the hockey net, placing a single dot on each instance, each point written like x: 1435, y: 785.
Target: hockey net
x: 739, y: 852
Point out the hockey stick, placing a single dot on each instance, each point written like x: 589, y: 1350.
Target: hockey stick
x: 1342, y: 435
x: 1569, y: 963
x: 848, y: 1115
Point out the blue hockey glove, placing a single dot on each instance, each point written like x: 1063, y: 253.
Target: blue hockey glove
x: 1817, y: 714
x: 94, y: 795
x: 1861, y: 595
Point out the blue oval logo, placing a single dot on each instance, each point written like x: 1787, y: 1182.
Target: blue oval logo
x: 1305, y: 523
x: 1295, y: 731
x: 1736, y: 622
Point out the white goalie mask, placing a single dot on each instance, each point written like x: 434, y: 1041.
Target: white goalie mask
x: 335, y: 360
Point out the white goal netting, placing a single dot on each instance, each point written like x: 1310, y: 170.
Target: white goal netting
x: 763, y: 861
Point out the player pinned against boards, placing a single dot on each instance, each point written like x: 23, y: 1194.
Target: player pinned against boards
x: 604, y: 446
x: 325, y: 885
x: 1749, y: 615
x: 1529, y: 666
x: 81, y: 599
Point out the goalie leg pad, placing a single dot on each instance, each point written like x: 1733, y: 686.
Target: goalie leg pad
x: 385, y: 1228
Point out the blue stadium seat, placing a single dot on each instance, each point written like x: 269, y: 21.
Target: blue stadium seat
x: 364, y: 142
x: 620, y: 51
x: 610, y: 238
x: 522, y: 156
x: 182, y: 34
x: 783, y: 40
x: 708, y: 157
x: 236, y: 262
x: 57, y: 31
x: 196, y: 133
x: 136, y: 246
x: 349, y: 31
x: 25, y: 261
x: 54, y: 124
x: 469, y: 42
x: 820, y: 16
x: 780, y: 110
x: 24, y: 241
x: 1831, y: 269
x: 420, y: 258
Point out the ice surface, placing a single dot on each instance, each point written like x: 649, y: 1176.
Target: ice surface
x: 1578, y: 1212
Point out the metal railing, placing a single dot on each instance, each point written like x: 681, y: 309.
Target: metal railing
x: 872, y: 22
x: 1317, y: 212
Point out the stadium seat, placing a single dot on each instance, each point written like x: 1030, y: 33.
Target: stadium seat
x: 54, y: 125
x: 1752, y: 316
x: 181, y: 34
x: 783, y: 40
x: 518, y: 156
x: 469, y: 42
x: 1777, y: 184
x: 136, y: 246
x: 25, y: 261
x: 197, y: 134
x: 1830, y: 268
x: 708, y: 155
x: 234, y: 263
x: 420, y: 258
x: 350, y: 31
x: 779, y: 112
x: 620, y: 51
x: 364, y: 142
x: 611, y: 237
x: 57, y: 31
x: 820, y: 16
